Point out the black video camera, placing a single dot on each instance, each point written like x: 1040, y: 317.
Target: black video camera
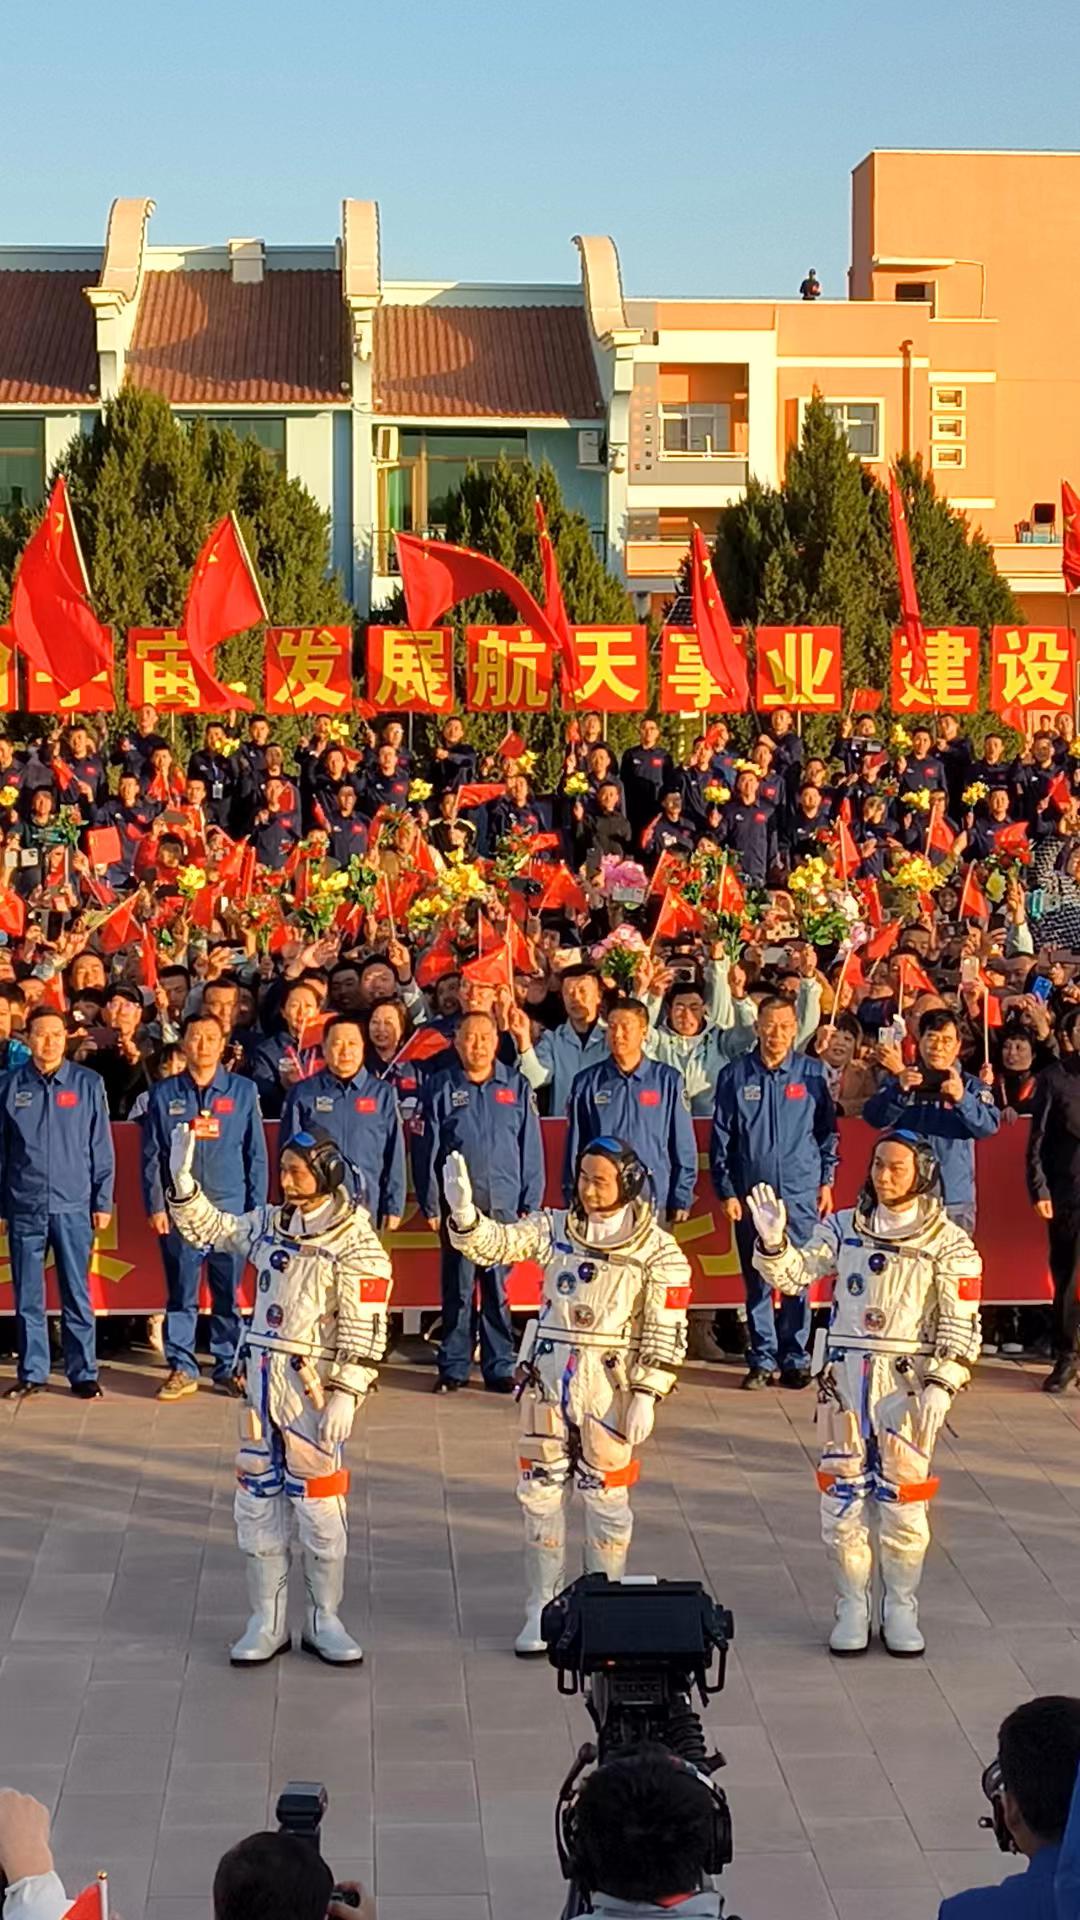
x: 301, y: 1805
x: 638, y: 1649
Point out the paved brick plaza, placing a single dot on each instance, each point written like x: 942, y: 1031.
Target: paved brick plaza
x: 120, y: 1588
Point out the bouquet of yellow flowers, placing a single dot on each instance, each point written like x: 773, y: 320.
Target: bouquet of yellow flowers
x: 8, y: 796
x: 419, y: 790
x: 920, y: 799
x: 191, y: 880
x: 977, y: 791
x: 576, y: 786
x: 916, y: 875
x: 716, y: 795
x: 899, y: 738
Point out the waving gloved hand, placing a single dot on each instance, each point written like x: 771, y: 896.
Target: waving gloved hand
x: 457, y: 1188
x: 934, y: 1404
x: 181, y: 1160
x: 769, y: 1215
x: 639, y: 1418
x: 337, y: 1418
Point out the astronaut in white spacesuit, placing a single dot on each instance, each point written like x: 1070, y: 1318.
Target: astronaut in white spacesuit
x: 309, y: 1354
x: 605, y: 1347
x: 902, y: 1337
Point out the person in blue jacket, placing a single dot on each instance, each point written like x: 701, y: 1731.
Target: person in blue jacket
x: 57, y: 1170
x: 937, y: 1099
x: 774, y: 1121
x: 1031, y: 1786
x: 487, y: 1112
x: 231, y: 1169
x: 640, y: 1101
x: 360, y: 1114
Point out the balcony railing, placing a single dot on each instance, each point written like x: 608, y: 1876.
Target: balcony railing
x: 652, y: 557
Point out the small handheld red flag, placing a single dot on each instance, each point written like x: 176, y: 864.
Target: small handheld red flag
x: 421, y: 1045
x: 118, y: 928
x: 940, y: 836
x: 913, y: 975
x: 494, y: 969
x: 677, y: 915
x: 866, y: 700
x: 441, y: 958
x: 732, y: 898
x: 881, y: 944
x: 562, y: 890
x: 1059, y: 790
x: 974, y: 904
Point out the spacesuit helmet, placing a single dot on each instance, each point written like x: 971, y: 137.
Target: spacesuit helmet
x: 633, y: 1175
x: 322, y: 1155
x: 926, y: 1180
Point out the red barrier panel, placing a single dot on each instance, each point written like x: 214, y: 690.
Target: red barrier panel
x: 126, y: 1274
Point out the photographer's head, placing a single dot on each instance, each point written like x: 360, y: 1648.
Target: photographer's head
x: 272, y: 1876
x: 643, y: 1828
x: 1039, y: 1756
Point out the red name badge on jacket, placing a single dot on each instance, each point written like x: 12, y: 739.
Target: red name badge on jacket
x: 649, y: 1097
x: 795, y: 1093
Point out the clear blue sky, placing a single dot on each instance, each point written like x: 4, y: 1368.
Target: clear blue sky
x: 713, y: 138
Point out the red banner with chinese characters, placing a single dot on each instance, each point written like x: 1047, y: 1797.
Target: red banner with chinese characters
x: 410, y: 672
x: 507, y: 670
x: 686, y: 685
x: 309, y: 670
x: 159, y: 671
x: 126, y: 1274
x: 951, y: 681
x: 614, y: 667
x: 44, y: 696
x: 1031, y: 668
x: 798, y: 667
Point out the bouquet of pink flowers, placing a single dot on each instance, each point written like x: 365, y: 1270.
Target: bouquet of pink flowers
x: 618, y: 876
x: 619, y: 956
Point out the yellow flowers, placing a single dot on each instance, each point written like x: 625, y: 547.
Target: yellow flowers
x: 8, y: 796
x: 338, y: 732
x: 899, y: 738
x: 977, y: 791
x: 920, y: 799
x: 810, y: 881
x: 576, y: 785
x: 748, y: 766
x: 525, y: 762
x: 716, y: 795
x: 419, y: 790
x: 336, y: 882
x: 191, y: 880
x: 916, y: 875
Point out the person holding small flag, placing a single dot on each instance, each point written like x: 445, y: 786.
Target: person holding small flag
x: 944, y: 1105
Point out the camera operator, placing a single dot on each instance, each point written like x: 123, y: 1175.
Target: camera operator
x: 32, y: 1889
x: 1030, y: 1786
x: 282, y: 1876
x: 643, y: 1830
x: 610, y: 1337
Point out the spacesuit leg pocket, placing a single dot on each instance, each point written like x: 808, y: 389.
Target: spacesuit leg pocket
x: 606, y: 1455
x: 317, y: 1484
x: 543, y: 1454
x: 260, y: 1509
x: 843, y: 1451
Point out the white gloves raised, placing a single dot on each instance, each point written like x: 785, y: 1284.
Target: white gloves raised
x: 337, y: 1418
x: 934, y: 1405
x: 639, y: 1419
x: 457, y: 1188
x: 181, y: 1160
x: 769, y: 1215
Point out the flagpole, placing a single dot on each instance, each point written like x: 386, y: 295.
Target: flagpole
x: 836, y: 1007
x: 986, y: 1024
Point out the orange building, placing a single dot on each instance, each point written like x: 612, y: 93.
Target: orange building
x: 959, y: 340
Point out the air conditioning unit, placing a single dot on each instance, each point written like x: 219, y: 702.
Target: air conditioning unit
x: 386, y: 444
x: 590, y: 444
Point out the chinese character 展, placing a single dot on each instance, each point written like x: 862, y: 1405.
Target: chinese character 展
x: 308, y: 659
x: 414, y: 669
x: 507, y: 672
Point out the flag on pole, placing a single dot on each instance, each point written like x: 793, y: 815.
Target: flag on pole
x: 677, y: 915
x: 881, y: 944
x: 224, y: 598
x: 436, y: 575
x: 51, y: 620
x: 866, y: 700
x: 974, y: 904
x: 1070, y: 537
x: 555, y: 606
x: 910, y: 617
x: 715, y: 636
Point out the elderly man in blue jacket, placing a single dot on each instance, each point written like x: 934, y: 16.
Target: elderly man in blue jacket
x: 231, y: 1169
x: 640, y: 1101
x: 360, y: 1114
x: 56, y: 1190
x: 775, y: 1122
x: 487, y: 1112
x: 937, y: 1099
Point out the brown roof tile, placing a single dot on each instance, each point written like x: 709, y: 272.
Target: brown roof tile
x: 203, y: 338
x: 470, y: 361
x: 48, y: 354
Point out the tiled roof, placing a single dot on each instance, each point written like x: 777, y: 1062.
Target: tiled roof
x: 203, y: 338
x: 48, y: 353
x: 441, y: 362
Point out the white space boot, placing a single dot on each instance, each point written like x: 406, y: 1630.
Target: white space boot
x: 324, y: 1635
x: 266, y: 1633
x: 543, y: 1574
x: 901, y: 1573
x: 852, y: 1573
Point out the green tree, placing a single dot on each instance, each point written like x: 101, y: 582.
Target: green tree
x: 493, y: 512
x: 818, y: 551
x: 145, y: 491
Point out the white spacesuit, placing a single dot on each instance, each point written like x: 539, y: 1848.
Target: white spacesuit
x: 610, y: 1334
x: 318, y: 1328
x: 902, y: 1336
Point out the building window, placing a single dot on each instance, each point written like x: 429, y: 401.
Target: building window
x: 948, y: 399
x: 267, y: 429
x: 22, y: 460
x: 948, y: 456
x: 860, y: 423
x: 700, y: 430
x: 415, y: 486
x: 916, y: 290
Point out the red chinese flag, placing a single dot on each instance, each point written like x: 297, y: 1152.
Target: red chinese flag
x: 555, y: 608
x: 1059, y: 790
x: 148, y: 967
x: 421, y: 1045
x: 103, y: 847
x: 423, y: 858
x: 53, y: 994
x: 494, y: 969
x: 1070, y: 539
x: 974, y: 904
x: 86, y: 1905
x: 478, y: 793
x: 118, y: 928
x: 847, y: 851
x: 12, y: 914
x: 562, y: 890
x: 677, y: 915
x: 732, y: 898
x: 441, y: 958
x: 223, y: 598
x: 511, y: 747
x: 436, y: 575
x: 940, y: 835
x: 881, y: 944
x: 871, y: 898
x: 910, y: 617
x: 51, y: 620
x: 669, y: 866
x: 914, y: 977
x: 866, y: 700
x: 715, y: 637
x: 1013, y: 839
x: 403, y: 893
x: 203, y: 906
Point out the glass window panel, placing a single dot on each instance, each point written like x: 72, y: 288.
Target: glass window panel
x: 22, y: 460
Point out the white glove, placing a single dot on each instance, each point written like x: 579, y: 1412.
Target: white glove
x: 769, y: 1215
x: 337, y: 1418
x: 934, y: 1406
x: 181, y: 1161
x: 457, y: 1188
x: 639, y: 1419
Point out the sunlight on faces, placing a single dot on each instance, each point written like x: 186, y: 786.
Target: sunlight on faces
x: 598, y: 1185
x: 302, y: 1006
x: 379, y: 982
x: 203, y: 1044
x: 476, y: 1043
x: 343, y: 1048
x: 687, y: 1014
x: 298, y: 1183
x: 892, y: 1172
x: 626, y: 1037
x: 939, y: 1048
x: 777, y: 1027
x: 839, y: 1050
x: 581, y: 998
x: 47, y: 1040
x: 220, y: 1000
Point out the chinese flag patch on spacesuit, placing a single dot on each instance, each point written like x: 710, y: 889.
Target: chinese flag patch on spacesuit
x: 677, y: 1297
x: 969, y: 1286
x: 67, y: 1099
x: 372, y: 1290
x: 649, y: 1097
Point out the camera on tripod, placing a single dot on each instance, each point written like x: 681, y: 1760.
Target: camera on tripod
x: 638, y: 1651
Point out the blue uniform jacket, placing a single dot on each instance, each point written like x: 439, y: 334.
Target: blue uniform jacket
x: 495, y: 1126
x: 650, y: 1111
x: 776, y: 1124
x: 1023, y: 1896
x: 231, y: 1170
x: 56, y: 1150
x: 361, y: 1115
x: 951, y: 1130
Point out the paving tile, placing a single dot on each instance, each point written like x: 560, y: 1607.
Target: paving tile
x: 428, y: 1790
x: 777, y: 1883
x: 430, y: 1860
x: 118, y: 1763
